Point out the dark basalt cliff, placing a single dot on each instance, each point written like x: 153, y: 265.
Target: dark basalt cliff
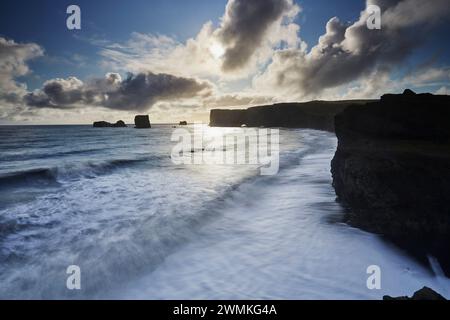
x: 392, y: 170
x: 311, y: 115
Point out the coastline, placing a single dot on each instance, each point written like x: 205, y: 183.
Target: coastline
x: 414, y: 146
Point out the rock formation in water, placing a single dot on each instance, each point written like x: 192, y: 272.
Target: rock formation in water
x: 310, y: 115
x: 104, y: 124
x: 183, y: 123
x: 142, y: 122
x: 120, y: 124
x: 423, y: 294
x: 392, y: 170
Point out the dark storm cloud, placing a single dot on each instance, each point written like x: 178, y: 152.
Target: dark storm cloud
x: 244, y: 27
x: 137, y: 92
x: 348, y: 52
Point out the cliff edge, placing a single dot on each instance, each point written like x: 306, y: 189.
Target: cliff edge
x: 317, y: 115
x: 392, y: 171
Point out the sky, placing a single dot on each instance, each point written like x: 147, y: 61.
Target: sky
x: 177, y: 59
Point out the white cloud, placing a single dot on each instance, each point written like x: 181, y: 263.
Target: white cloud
x: 249, y: 33
x: 443, y: 90
x: 428, y: 76
x: 348, y: 53
x: 14, y: 59
x: 13, y: 63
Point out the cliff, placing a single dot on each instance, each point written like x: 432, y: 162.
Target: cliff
x: 392, y: 171
x: 311, y: 115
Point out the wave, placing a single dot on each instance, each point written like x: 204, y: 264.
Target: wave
x: 33, y: 176
x: 51, y: 177
x: 149, y: 236
x: 48, y: 155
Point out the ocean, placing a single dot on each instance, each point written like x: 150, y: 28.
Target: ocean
x: 112, y: 202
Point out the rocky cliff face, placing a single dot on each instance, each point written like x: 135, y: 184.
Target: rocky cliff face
x: 311, y: 115
x: 392, y: 170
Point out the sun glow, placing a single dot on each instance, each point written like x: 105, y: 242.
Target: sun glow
x: 217, y: 50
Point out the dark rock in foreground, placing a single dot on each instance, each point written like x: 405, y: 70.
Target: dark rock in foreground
x: 310, y: 115
x: 104, y: 124
x: 142, y: 122
x: 392, y: 171
x: 423, y: 294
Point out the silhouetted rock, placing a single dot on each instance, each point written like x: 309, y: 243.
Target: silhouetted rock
x: 423, y: 294
x: 312, y: 115
x: 102, y: 124
x: 392, y: 170
x: 409, y: 92
x: 120, y: 124
x: 183, y: 123
x: 142, y: 122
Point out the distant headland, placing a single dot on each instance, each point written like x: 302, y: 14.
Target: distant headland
x: 312, y: 115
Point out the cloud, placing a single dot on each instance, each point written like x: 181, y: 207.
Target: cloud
x: 443, y: 90
x: 346, y: 53
x: 254, y: 50
x: 162, y: 54
x: 236, y: 100
x: 249, y: 32
x: 13, y: 63
x: 428, y: 76
x: 138, y: 92
x: 14, y: 58
x: 163, y: 69
x: 245, y: 26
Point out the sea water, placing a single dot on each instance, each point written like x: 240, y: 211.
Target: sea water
x: 112, y: 202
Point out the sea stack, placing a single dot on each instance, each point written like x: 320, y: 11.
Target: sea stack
x: 142, y: 122
x: 119, y: 124
x: 104, y: 124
